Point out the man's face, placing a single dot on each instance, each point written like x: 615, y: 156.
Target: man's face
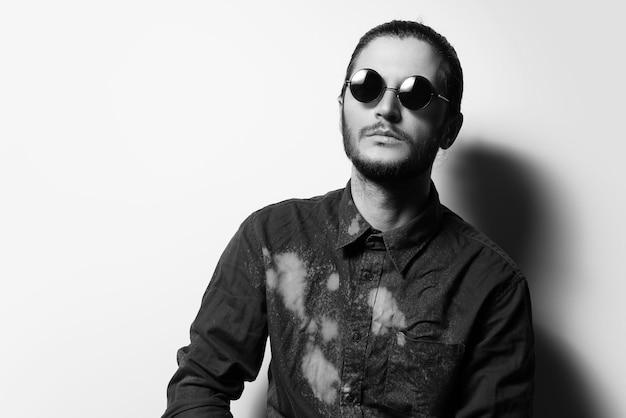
x: 383, y: 139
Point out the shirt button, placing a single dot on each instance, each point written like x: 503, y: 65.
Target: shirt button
x: 356, y: 337
x: 350, y: 398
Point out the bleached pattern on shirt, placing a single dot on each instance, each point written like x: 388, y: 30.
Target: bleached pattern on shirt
x: 329, y: 329
x: 385, y: 313
x: 321, y: 374
x: 333, y: 282
x: 271, y: 277
x: 354, y: 227
x: 287, y: 277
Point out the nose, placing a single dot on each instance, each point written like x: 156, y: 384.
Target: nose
x: 388, y: 107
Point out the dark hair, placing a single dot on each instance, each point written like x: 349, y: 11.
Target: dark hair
x: 450, y: 76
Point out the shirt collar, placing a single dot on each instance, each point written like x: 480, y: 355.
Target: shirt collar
x: 402, y: 243
x: 352, y: 225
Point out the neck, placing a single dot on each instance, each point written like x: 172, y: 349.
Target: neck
x: 389, y: 205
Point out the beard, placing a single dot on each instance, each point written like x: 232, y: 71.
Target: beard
x: 418, y: 161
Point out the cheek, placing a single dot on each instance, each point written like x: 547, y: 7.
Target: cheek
x: 434, y: 117
x: 425, y: 125
x: 356, y: 115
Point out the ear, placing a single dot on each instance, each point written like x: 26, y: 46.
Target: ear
x: 451, y: 130
x: 340, y: 101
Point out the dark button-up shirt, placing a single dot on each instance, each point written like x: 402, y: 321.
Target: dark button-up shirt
x: 429, y: 320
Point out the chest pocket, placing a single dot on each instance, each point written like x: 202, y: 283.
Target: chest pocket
x: 421, y: 376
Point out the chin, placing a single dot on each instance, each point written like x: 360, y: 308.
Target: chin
x: 386, y: 171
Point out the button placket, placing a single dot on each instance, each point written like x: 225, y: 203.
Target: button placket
x: 358, y: 325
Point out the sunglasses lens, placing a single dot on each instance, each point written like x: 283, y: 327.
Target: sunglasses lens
x: 415, y: 93
x: 366, y: 85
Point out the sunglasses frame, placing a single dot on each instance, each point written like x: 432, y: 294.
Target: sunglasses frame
x: 384, y: 88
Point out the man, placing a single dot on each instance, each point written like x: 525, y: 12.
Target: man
x: 378, y: 301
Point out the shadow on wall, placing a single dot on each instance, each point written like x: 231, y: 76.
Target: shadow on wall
x: 504, y: 197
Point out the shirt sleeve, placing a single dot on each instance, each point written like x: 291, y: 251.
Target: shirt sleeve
x: 498, y: 379
x: 228, y: 335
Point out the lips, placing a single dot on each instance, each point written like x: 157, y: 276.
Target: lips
x: 385, y: 132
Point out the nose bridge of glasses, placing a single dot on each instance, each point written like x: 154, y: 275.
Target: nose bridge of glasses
x: 389, y: 104
x: 397, y: 99
x: 394, y: 89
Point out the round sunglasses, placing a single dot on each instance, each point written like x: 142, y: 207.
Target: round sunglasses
x: 415, y: 92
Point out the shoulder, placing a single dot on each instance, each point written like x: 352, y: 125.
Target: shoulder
x: 471, y: 236
x: 295, y: 213
x: 486, y: 263
x: 301, y: 204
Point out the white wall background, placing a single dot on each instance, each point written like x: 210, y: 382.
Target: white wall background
x: 136, y: 135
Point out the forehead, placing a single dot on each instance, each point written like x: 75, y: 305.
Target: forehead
x: 395, y: 58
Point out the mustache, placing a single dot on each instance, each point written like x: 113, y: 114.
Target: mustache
x: 384, y: 129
